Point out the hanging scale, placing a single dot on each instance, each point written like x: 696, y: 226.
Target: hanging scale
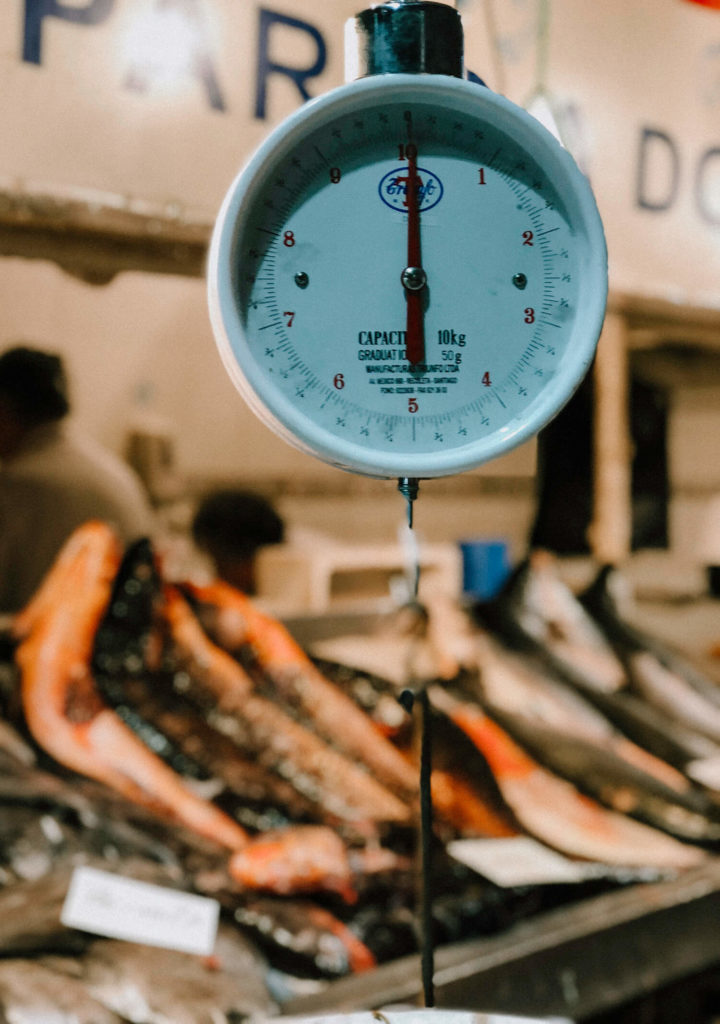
x: 409, y: 276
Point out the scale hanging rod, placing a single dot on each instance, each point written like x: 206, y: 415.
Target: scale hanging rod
x: 409, y: 487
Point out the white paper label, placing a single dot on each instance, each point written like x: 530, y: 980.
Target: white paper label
x: 123, y: 908
x: 523, y: 861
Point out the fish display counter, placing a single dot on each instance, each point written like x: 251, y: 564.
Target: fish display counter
x: 650, y: 952
x: 164, y: 734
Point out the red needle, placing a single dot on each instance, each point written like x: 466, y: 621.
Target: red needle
x: 413, y: 277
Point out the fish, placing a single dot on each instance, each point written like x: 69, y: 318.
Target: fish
x: 30, y: 902
x: 166, y: 785
x: 30, y: 907
x: 217, y: 682
x: 52, y: 825
x: 459, y: 801
x: 64, y: 710
x: 537, y: 609
x: 32, y: 992
x: 166, y: 720
x: 46, y: 818
x: 551, y: 809
x: 90, y: 540
x: 305, y: 859
x: 536, y: 613
x: 30, y: 843
x: 104, y: 819
x: 508, y: 683
x: 463, y: 905
x: 38, y: 831
x: 569, y: 736
x: 464, y: 793
x: 664, y: 678
x: 126, y: 633
x: 156, y: 985
x: 250, y: 792
x: 456, y: 800
x: 670, y: 693
x: 279, y: 661
x: 99, y: 981
x: 303, y: 938
x: 650, y: 727
x: 377, y: 696
x: 615, y: 783
x: 607, y: 599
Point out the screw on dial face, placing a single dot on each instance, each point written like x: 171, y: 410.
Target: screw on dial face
x: 439, y: 365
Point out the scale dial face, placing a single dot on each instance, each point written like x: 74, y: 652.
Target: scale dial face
x: 314, y: 313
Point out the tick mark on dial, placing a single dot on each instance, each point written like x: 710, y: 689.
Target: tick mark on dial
x: 301, y: 279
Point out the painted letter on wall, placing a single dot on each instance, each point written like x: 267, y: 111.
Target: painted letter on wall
x: 266, y: 66
x: 94, y: 12
x: 659, y: 161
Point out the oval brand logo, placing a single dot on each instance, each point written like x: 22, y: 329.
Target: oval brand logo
x: 393, y: 189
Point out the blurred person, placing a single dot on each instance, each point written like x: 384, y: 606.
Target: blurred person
x: 230, y: 526
x: 52, y: 477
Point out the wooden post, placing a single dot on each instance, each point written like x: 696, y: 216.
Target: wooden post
x: 611, y: 529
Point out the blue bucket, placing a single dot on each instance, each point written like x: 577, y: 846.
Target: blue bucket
x: 486, y: 567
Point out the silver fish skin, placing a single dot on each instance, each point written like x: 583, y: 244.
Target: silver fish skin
x: 618, y: 785
x: 552, y: 810
x: 546, y: 610
x: 648, y: 725
x: 608, y: 600
x: 674, y: 695
x: 158, y: 986
x: 519, y: 687
x: 32, y: 992
x: 78, y: 816
x: 538, y: 614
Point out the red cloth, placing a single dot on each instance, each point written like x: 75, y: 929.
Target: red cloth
x: 715, y: 4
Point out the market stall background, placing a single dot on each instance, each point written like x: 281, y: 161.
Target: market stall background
x: 124, y: 124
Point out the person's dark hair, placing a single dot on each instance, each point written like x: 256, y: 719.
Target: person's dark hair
x: 34, y: 383
x: 235, y: 523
